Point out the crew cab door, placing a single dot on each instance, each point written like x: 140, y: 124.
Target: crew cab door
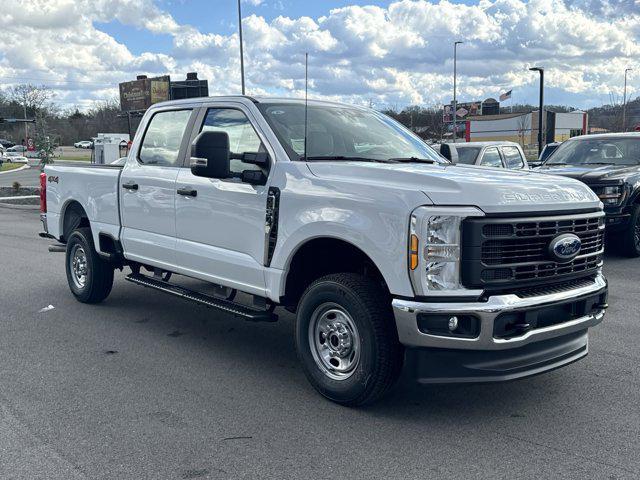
x: 148, y: 188
x: 220, y: 223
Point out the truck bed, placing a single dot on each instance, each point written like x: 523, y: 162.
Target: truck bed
x: 94, y: 187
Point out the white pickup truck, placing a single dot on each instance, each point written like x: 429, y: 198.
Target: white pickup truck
x: 387, y: 253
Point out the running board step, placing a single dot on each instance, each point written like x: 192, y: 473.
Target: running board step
x: 233, y: 308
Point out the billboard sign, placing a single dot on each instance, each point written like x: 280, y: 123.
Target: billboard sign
x: 464, y: 110
x: 142, y: 93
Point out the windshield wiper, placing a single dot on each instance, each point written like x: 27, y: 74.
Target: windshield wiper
x: 598, y: 163
x: 412, y: 159
x: 329, y: 158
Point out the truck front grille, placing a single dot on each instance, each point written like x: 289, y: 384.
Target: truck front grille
x: 499, y: 251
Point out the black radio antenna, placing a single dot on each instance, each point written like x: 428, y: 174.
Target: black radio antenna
x: 306, y: 99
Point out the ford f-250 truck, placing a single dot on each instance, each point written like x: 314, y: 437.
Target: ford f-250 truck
x: 386, y: 252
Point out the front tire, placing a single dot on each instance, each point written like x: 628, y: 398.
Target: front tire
x: 90, y: 278
x: 631, y: 236
x: 346, y: 339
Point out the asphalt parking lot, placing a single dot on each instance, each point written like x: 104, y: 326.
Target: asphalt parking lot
x: 148, y: 386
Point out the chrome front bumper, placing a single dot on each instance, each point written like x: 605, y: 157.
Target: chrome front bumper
x: 406, y: 316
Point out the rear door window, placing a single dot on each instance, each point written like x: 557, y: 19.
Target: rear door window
x: 513, y: 157
x: 491, y: 158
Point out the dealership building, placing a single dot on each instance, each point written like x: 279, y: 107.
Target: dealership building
x: 523, y: 127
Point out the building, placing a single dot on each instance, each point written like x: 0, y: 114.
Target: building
x: 523, y: 127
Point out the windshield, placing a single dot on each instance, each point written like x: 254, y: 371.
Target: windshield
x: 468, y: 155
x: 343, y: 133
x: 602, y: 151
x: 547, y: 151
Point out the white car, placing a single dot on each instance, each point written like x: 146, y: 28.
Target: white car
x: 17, y: 149
x: 14, y: 157
x: 83, y: 144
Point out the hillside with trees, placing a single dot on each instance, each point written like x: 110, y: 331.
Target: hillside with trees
x: 66, y: 126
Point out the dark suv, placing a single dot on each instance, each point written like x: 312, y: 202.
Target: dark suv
x: 610, y: 165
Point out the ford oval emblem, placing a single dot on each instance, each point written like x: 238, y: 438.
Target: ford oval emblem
x: 565, y: 247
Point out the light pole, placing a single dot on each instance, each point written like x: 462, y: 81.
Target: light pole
x: 455, y: 100
x: 241, y: 52
x: 26, y: 130
x: 624, y: 101
x: 541, y: 110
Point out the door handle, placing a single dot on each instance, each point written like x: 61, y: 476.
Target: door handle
x: 187, y: 192
x: 130, y: 186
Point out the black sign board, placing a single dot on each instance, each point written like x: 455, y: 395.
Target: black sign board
x: 142, y: 93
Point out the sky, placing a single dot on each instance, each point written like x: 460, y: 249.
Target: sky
x: 386, y: 53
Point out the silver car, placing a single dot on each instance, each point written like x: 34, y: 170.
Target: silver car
x: 489, y: 154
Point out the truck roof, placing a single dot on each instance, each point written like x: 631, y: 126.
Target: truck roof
x: 252, y: 99
x: 606, y: 136
x: 485, y: 144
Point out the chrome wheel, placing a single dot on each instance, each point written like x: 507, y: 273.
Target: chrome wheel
x: 334, y: 341
x: 79, y: 267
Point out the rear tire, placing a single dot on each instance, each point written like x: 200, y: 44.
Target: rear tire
x: 630, y: 238
x: 90, y: 277
x: 347, y: 340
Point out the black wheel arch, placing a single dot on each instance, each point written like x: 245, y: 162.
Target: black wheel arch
x: 322, y: 256
x: 74, y: 216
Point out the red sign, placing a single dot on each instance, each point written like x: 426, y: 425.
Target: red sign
x: 31, y: 146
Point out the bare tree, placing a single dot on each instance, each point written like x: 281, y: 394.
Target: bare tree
x: 31, y: 97
x: 524, y: 126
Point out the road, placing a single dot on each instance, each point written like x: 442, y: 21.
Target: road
x: 29, y: 177
x: 145, y: 386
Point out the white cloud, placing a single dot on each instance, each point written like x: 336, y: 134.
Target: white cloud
x: 395, y: 55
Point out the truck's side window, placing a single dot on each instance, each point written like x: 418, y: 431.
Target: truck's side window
x: 161, y: 142
x: 242, y: 136
x: 512, y: 157
x: 491, y: 158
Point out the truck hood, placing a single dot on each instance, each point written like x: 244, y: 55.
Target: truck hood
x: 491, y: 189
x: 593, y: 173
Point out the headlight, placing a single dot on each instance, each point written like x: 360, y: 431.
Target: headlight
x: 434, y: 249
x: 611, y: 195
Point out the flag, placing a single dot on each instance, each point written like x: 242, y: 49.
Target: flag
x: 505, y: 96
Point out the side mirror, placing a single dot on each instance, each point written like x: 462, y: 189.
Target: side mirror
x: 210, y: 155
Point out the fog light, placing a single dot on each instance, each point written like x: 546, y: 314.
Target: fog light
x: 464, y: 326
x: 453, y: 324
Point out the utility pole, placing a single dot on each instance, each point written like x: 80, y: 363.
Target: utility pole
x: 455, y: 99
x: 624, y: 101
x: 540, y: 70
x: 241, y: 51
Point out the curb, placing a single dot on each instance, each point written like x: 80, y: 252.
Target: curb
x: 19, y: 197
x: 24, y: 167
x: 20, y: 207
